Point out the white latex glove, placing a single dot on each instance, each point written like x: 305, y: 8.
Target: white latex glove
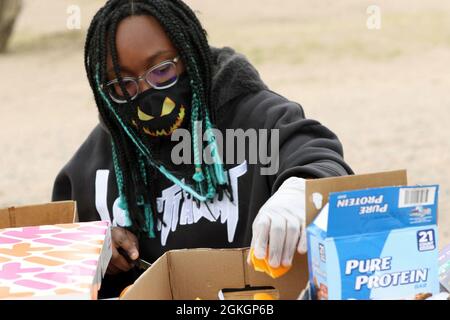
x: 280, y: 224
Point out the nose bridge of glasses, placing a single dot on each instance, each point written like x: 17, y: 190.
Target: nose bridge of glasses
x: 143, y: 83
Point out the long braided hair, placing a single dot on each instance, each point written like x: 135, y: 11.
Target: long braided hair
x: 133, y: 160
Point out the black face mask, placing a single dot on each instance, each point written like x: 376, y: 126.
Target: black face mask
x: 158, y: 113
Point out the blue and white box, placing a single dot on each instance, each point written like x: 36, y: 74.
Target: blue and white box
x: 375, y: 244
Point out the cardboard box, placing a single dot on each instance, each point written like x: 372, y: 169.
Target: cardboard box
x: 378, y: 243
x: 202, y: 273
x: 39, y: 215
x: 318, y: 190
x: 60, y: 260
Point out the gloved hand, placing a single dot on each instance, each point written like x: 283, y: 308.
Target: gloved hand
x: 279, y: 227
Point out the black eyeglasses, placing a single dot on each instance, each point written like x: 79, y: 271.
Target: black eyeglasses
x: 162, y: 76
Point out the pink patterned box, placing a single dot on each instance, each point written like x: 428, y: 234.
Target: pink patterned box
x: 64, y: 261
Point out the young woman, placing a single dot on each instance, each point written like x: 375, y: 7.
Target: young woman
x: 153, y: 74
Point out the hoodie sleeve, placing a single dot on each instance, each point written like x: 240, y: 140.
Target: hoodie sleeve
x: 307, y: 149
x: 76, y: 180
x: 62, y: 187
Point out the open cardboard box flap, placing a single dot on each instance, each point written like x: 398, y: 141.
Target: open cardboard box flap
x: 39, y: 215
x: 202, y: 273
x: 323, y: 187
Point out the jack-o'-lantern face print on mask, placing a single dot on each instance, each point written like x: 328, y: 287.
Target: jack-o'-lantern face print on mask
x: 158, y: 113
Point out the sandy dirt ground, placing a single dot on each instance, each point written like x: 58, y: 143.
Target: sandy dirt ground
x: 384, y: 92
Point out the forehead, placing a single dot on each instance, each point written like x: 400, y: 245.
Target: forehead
x: 139, y: 38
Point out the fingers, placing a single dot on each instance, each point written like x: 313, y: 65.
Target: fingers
x: 280, y: 235
x: 302, y: 248
x: 118, y: 262
x: 277, y: 240
x: 127, y: 241
x: 292, y: 238
x: 261, y: 228
x: 124, y: 239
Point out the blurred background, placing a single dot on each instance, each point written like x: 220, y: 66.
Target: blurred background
x: 384, y: 92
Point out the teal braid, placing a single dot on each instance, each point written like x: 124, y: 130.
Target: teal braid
x: 149, y: 227
x: 142, y: 169
x: 182, y: 185
x: 219, y: 172
x: 198, y: 176
x: 149, y: 221
x: 119, y: 178
x: 211, y: 189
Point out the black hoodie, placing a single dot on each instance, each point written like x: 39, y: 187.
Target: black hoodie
x: 307, y: 149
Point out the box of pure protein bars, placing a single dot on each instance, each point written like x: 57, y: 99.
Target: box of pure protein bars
x: 376, y: 243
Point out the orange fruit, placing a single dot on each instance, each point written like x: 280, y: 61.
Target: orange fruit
x: 262, y: 296
x: 262, y: 265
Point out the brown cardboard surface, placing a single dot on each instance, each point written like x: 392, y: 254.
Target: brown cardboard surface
x: 154, y: 284
x: 355, y: 182
x: 36, y: 215
x: 203, y: 272
x: 4, y: 218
